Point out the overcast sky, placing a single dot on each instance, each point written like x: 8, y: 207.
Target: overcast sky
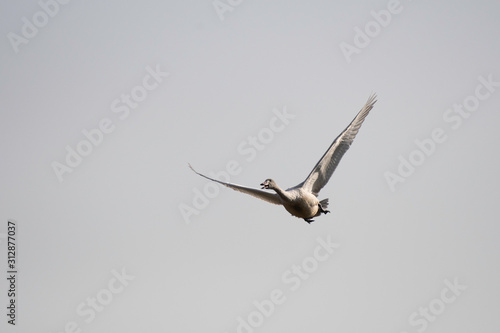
x: 104, y: 104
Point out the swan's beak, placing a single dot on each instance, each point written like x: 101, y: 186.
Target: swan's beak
x: 264, y: 185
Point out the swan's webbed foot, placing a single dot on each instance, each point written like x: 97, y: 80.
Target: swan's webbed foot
x: 309, y: 220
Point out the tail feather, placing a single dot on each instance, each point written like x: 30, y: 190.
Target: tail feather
x: 324, y: 203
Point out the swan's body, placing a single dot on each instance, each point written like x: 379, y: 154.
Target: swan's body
x: 301, y: 200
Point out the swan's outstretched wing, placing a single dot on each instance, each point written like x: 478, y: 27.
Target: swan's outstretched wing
x: 266, y: 196
x: 324, y: 169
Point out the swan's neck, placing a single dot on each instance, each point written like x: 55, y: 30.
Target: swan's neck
x: 283, y: 194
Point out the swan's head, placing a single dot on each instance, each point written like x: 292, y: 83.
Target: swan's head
x: 268, y: 184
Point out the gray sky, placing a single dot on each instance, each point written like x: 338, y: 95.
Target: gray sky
x: 104, y: 104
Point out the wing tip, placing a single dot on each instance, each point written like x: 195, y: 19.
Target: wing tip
x: 372, y: 99
x: 191, y: 167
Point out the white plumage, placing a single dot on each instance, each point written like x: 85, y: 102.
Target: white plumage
x: 301, y: 200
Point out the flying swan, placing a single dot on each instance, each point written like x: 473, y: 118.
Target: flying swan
x: 301, y: 200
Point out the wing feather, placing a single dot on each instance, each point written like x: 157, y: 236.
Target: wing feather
x: 325, y: 167
x: 263, y: 195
